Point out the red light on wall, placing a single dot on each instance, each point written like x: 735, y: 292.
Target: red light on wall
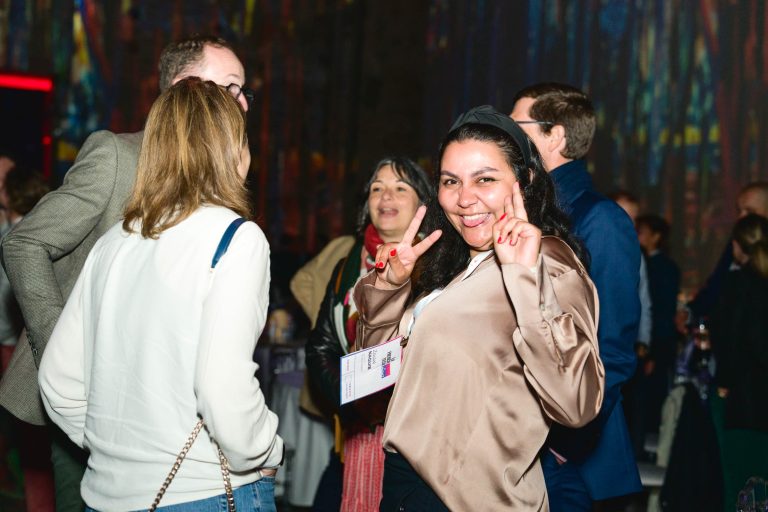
x: 46, y: 140
x: 27, y: 83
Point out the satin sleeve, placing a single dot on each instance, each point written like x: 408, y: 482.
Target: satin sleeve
x: 380, y: 310
x: 557, y: 312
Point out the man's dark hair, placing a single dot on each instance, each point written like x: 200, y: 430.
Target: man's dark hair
x: 24, y: 189
x: 761, y: 186
x: 180, y: 56
x: 567, y: 106
x: 658, y: 225
x: 9, y: 154
x: 625, y: 195
x: 751, y: 233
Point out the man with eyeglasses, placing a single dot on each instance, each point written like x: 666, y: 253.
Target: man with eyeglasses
x: 45, y: 252
x: 595, y: 462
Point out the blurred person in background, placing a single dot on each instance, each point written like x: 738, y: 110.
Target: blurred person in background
x: 740, y: 341
x: 395, y: 189
x: 752, y: 198
x: 21, y: 190
x: 664, y: 285
x: 636, y: 390
x: 7, y: 162
x: 629, y: 203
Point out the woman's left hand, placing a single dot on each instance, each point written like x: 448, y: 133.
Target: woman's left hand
x: 515, y: 240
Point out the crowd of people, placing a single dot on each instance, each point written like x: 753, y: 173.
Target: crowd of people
x: 540, y: 323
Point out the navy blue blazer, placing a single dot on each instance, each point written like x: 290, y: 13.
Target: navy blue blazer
x: 602, y: 450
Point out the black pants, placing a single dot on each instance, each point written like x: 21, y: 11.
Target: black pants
x: 404, y: 490
x: 328, y: 494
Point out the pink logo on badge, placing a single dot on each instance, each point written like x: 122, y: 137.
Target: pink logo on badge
x: 385, y: 370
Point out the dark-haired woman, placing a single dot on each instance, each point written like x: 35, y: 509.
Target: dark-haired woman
x: 394, y: 191
x: 499, y: 323
x: 740, y: 339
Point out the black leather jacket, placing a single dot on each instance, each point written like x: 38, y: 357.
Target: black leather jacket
x: 324, y: 348
x: 323, y: 359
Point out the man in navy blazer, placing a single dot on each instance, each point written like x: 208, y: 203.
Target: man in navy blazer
x: 595, y: 462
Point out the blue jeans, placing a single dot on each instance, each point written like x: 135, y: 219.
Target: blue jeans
x: 256, y: 497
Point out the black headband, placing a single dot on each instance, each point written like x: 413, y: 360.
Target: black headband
x: 488, y: 115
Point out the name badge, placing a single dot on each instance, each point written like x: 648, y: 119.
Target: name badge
x: 370, y: 370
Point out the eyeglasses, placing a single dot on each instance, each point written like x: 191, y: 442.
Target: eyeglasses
x: 236, y: 90
x: 548, y: 123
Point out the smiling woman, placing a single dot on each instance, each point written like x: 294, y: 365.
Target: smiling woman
x: 479, y: 163
x: 500, y: 324
x: 475, y: 180
x: 390, y: 198
x: 392, y: 203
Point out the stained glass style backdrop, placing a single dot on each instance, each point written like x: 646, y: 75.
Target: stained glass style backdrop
x: 678, y: 84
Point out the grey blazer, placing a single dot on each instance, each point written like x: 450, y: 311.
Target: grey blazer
x: 44, y: 253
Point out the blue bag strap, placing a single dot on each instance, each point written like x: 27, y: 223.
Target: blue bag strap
x: 226, y: 238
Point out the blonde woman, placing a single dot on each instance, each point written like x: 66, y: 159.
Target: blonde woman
x: 152, y: 340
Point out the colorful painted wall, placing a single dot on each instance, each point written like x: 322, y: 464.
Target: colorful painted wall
x: 678, y: 86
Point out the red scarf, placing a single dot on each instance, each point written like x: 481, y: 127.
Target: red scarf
x: 372, y: 241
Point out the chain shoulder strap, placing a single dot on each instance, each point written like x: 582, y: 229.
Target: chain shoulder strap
x: 180, y: 458
x: 227, y: 483
x: 226, y: 238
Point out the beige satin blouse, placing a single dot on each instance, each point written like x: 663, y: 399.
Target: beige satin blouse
x: 489, y: 364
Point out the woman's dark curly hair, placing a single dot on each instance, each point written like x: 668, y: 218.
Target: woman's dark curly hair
x: 450, y: 254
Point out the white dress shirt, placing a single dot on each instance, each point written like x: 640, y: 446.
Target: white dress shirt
x: 149, y: 340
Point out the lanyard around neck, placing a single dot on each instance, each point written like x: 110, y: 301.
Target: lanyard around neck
x: 424, y: 301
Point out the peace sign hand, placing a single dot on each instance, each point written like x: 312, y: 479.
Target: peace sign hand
x: 395, y: 261
x: 515, y: 240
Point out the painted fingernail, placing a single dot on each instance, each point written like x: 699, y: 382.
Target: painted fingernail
x: 379, y: 264
x: 499, y: 237
x: 502, y: 218
x: 393, y: 252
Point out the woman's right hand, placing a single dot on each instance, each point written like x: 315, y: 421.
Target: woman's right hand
x: 395, y: 261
